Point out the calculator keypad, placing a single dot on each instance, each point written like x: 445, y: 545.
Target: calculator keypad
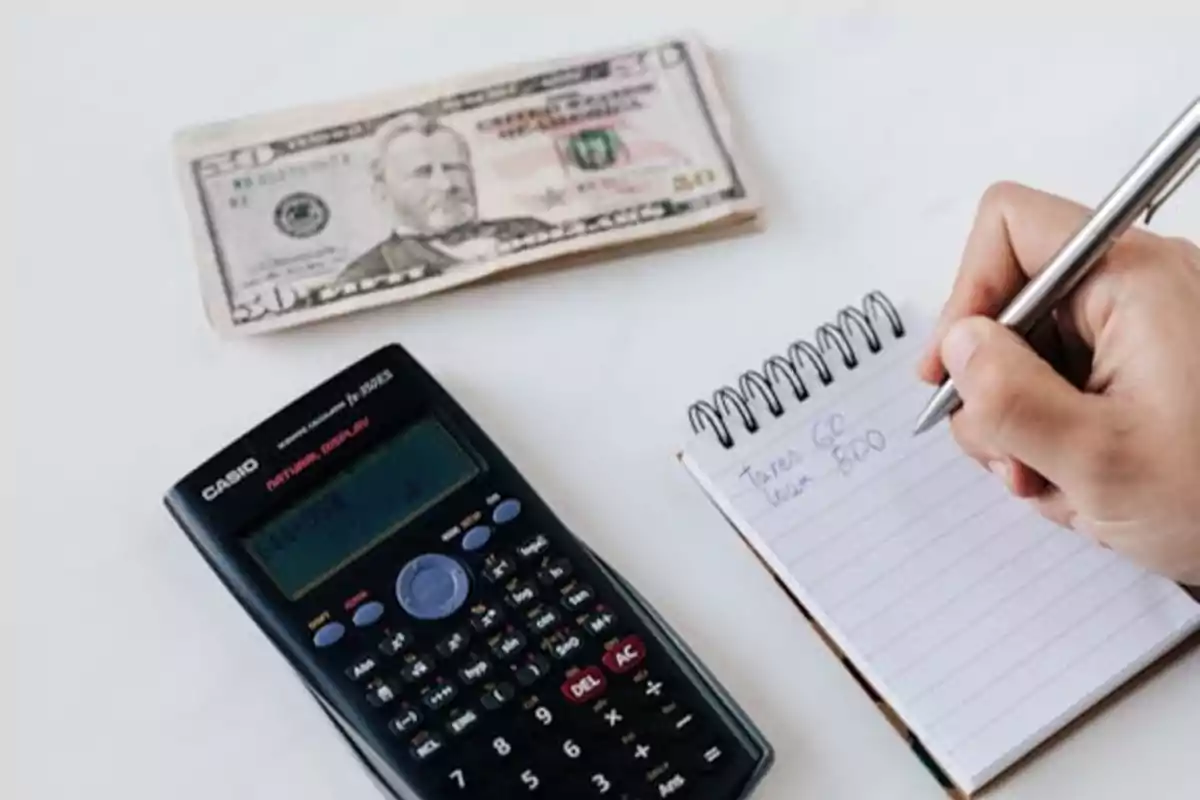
x: 533, y: 547
x: 585, y: 685
x: 461, y: 721
x: 555, y: 571
x: 543, y: 619
x: 361, y: 667
x: 577, y: 596
x: 537, y: 687
x: 498, y: 696
x: 600, y: 623
x: 417, y: 669
x: 381, y: 693
x: 474, y: 670
x: 439, y: 696
x: 506, y: 646
x: 485, y: 618
x: 454, y: 643
x: 520, y: 594
x: 394, y: 643
x: 532, y: 670
x: 498, y: 567
x: 406, y: 720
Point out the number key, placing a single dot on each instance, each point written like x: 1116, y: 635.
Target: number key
x: 587, y: 778
x: 542, y: 715
x: 502, y: 746
x: 530, y: 784
x: 457, y: 780
x: 571, y: 749
x: 600, y: 784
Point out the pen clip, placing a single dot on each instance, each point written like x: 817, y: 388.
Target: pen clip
x: 1172, y: 187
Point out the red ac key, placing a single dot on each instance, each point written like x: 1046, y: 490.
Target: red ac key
x: 625, y: 655
x: 584, y: 685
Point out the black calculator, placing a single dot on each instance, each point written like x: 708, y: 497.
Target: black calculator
x: 461, y: 639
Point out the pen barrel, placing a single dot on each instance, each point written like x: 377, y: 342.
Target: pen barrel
x: 1165, y: 159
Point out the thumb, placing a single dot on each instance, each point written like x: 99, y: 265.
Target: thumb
x: 1013, y: 401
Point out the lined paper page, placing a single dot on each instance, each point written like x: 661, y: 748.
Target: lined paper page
x: 985, y: 627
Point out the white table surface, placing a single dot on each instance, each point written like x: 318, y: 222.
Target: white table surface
x: 137, y: 676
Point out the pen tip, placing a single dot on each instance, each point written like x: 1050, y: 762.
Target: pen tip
x: 924, y: 423
x: 945, y: 401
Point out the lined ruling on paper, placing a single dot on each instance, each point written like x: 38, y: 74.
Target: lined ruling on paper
x: 984, y: 626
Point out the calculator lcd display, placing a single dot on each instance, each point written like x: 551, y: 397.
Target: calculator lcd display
x: 361, y: 507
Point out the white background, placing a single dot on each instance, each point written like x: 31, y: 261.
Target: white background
x: 129, y: 671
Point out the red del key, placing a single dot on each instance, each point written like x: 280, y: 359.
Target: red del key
x: 584, y: 685
x: 626, y: 655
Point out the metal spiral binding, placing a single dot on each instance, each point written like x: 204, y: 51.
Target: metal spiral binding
x: 786, y: 372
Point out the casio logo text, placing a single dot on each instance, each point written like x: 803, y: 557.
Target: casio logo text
x: 229, y: 479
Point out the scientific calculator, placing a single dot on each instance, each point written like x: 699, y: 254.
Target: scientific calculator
x: 461, y: 639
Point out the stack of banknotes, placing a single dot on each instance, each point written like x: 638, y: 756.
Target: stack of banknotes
x: 311, y: 213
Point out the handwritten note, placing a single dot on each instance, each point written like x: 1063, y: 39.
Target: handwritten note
x: 832, y: 451
x: 984, y: 626
x: 781, y: 479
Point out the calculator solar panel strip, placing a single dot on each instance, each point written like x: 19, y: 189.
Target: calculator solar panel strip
x: 462, y: 640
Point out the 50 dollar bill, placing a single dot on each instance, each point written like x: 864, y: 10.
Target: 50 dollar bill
x: 306, y: 214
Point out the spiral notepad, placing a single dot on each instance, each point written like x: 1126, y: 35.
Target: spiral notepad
x: 983, y: 627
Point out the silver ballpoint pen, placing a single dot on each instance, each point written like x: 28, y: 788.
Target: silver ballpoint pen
x: 1166, y: 165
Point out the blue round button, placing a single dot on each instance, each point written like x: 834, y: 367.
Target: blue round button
x: 368, y: 614
x: 476, y: 538
x: 329, y: 634
x: 432, y: 586
x: 507, y: 511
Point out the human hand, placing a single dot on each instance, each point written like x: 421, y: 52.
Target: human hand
x: 1109, y: 444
